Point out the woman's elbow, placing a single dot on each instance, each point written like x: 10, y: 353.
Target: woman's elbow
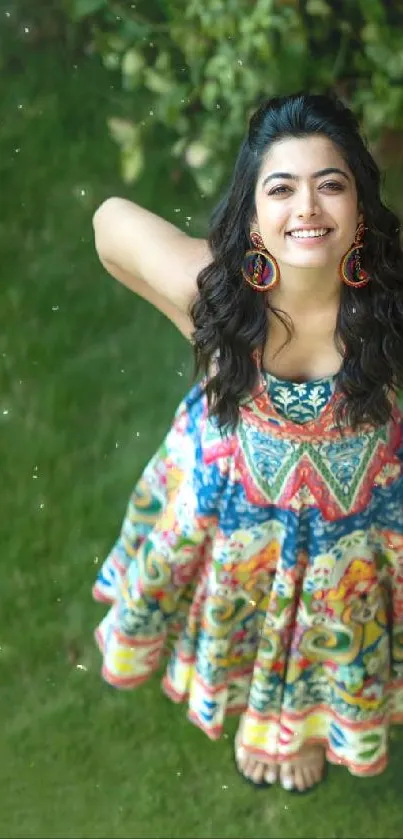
x: 103, y: 222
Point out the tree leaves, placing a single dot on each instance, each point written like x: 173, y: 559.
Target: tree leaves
x: 199, y: 69
x: 84, y: 8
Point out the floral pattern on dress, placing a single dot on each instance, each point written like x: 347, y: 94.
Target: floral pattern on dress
x: 266, y: 566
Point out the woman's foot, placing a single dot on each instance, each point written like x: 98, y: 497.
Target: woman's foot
x: 305, y: 771
x: 256, y: 771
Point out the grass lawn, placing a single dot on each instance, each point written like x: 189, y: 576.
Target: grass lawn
x: 90, y: 376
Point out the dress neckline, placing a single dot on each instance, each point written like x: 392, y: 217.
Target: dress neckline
x: 322, y: 380
x: 271, y: 377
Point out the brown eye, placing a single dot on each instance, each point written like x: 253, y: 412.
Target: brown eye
x: 279, y: 190
x: 334, y: 186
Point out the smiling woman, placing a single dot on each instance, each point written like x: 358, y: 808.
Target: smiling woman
x: 307, y: 218
x: 336, y: 324
x: 307, y: 231
x: 265, y: 537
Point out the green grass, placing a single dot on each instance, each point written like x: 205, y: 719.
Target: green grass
x: 90, y: 377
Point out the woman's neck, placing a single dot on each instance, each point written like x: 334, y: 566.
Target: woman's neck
x: 306, y: 290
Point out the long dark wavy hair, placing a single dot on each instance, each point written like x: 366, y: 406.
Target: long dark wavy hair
x: 230, y: 318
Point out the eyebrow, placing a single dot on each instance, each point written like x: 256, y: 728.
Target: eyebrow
x: 332, y: 170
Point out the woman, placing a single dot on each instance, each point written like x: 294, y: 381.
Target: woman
x: 264, y: 542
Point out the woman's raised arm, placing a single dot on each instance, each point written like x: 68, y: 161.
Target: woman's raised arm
x: 151, y: 256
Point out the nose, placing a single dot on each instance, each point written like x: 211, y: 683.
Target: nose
x: 307, y: 204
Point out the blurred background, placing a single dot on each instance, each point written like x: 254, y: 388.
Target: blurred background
x: 147, y: 100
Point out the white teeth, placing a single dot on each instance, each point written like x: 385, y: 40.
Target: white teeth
x: 309, y: 234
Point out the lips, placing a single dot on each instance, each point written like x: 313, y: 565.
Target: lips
x: 309, y: 232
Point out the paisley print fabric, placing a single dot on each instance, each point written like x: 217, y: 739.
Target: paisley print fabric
x: 265, y: 567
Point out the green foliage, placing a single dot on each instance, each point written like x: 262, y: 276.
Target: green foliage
x: 196, y: 69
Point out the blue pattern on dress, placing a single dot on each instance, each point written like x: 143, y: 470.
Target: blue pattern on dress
x: 300, y: 402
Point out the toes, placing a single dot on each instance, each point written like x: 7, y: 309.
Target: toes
x: 312, y: 777
x: 287, y: 778
x: 270, y: 775
x: 305, y: 772
x: 254, y: 770
x: 240, y: 757
x: 249, y: 766
x: 257, y: 773
x: 300, y: 779
x: 245, y: 764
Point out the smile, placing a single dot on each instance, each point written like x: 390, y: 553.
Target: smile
x: 318, y: 233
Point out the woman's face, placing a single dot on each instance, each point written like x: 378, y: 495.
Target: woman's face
x: 306, y: 203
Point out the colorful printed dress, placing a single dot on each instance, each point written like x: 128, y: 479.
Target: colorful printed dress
x: 267, y: 565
